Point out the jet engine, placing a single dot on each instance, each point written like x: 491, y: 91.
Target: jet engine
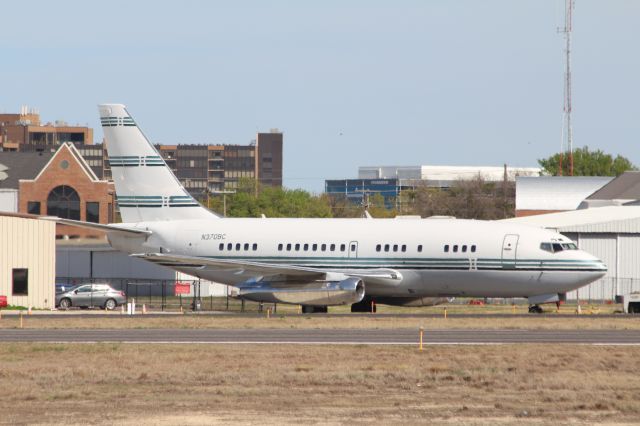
x: 328, y: 293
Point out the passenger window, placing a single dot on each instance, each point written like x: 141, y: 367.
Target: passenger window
x: 323, y: 247
x: 306, y: 247
x: 255, y: 246
x: 333, y: 247
x: 404, y: 248
x: 221, y: 246
x: 246, y: 246
x: 446, y: 248
x: 464, y: 249
x: 238, y: 246
x: 229, y: 246
x: 353, y: 247
x: 455, y: 248
x: 378, y: 247
x: 289, y: 247
x: 386, y: 247
x: 473, y: 248
x: 314, y: 247
x: 280, y: 247
x: 298, y: 247
x: 420, y: 248
x: 395, y: 247
x: 343, y: 247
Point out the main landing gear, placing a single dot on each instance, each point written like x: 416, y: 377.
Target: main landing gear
x: 365, y: 305
x: 535, y: 309
x: 308, y: 309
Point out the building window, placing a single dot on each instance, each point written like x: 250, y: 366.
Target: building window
x: 20, y: 282
x: 93, y: 212
x: 33, y: 207
x: 63, y: 201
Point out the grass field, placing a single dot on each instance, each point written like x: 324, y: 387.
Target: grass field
x: 204, y: 384
x: 594, y: 322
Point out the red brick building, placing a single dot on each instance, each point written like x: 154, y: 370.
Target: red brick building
x: 67, y: 187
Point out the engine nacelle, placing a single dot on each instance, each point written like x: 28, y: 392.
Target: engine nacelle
x: 330, y: 293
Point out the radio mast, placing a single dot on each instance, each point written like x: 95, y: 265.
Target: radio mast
x: 566, y: 114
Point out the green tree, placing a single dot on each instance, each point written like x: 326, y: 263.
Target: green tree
x: 271, y: 201
x: 587, y: 163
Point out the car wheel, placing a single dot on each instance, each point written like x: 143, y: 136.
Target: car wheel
x: 65, y: 303
x: 110, y: 304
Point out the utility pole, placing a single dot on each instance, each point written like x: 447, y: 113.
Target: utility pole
x: 224, y: 198
x: 566, y: 114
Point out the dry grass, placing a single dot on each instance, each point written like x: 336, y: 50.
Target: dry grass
x: 204, y: 384
x: 117, y: 321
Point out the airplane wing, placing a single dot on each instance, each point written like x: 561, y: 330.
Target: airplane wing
x: 99, y: 226
x: 262, y: 269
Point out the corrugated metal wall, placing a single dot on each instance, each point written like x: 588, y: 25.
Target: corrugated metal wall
x: 30, y: 244
x: 621, y: 253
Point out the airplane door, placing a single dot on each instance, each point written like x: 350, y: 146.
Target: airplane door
x: 353, y: 249
x: 509, y: 251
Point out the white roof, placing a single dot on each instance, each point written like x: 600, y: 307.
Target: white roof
x: 611, y: 219
x: 556, y: 192
x: 445, y: 173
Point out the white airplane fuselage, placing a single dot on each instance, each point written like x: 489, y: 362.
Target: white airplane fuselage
x: 433, y: 257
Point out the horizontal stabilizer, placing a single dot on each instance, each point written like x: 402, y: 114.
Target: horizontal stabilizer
x: 99, y: 226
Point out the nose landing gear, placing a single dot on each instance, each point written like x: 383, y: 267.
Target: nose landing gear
x: 535, y: 309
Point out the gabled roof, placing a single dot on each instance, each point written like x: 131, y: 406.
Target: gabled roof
x: 624, y: 187
x: 555, y: 192
x: 74, y: 152
x: 21, y: 165
x: 618, y: 219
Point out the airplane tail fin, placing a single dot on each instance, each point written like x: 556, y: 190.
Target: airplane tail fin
x: 146, y: 188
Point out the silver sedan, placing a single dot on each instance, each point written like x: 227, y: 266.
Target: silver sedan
x: 90, y: 295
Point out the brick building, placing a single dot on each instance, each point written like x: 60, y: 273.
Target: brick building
x: 67, y: 187
x: 25, y: 132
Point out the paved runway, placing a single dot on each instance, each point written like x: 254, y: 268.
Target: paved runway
x: 337, y: 336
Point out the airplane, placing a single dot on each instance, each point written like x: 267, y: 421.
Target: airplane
x: 318, y: 263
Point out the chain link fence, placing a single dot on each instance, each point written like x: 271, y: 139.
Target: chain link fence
x: 172, y: 295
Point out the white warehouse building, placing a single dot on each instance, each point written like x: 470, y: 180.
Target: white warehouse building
x: 612, y: 234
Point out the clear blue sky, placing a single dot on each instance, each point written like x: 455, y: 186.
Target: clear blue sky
x: 349, y: 82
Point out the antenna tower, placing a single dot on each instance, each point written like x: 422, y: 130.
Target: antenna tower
x: 566, y: 114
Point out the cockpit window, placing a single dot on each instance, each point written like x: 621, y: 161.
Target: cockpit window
x: 556, y: 247
x: 546, y: 247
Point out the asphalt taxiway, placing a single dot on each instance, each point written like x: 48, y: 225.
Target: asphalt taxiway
x: 402, y: 336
